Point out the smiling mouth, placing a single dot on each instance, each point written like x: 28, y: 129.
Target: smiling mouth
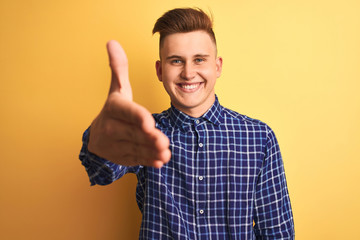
x: 189, y: 87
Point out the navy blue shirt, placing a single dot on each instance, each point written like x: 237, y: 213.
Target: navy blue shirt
x: 225, y: 179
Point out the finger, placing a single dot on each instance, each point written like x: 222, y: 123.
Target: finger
x: 160, y: 141
x: 155, y: 164
x: 119, y: 69
x: 120, y: 108
x: 130, y: 154
x: 123, y: 131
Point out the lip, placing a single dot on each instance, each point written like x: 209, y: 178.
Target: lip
x: 189, y: 87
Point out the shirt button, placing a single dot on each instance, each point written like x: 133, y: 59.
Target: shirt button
x: 200, y: 145
x: 201, y: 211
x: 201, y: 178
x: 197, y: 121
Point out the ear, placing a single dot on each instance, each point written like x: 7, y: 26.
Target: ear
x: 158, y: 70
x: 219, y: 62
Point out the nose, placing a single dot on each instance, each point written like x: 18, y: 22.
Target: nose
x: 188, y: 72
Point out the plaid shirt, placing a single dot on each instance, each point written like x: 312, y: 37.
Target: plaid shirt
x: 225, y: 180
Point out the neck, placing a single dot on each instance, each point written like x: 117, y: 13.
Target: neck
x: 197, y: 111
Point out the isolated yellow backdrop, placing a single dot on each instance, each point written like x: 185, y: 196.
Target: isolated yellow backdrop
x: 293, y: 64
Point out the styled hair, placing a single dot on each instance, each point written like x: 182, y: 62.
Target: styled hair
x: 183, y: 20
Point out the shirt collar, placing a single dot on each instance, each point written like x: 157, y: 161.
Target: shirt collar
x: 184, y: 121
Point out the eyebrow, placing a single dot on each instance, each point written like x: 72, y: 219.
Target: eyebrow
x: 202, y: 55
x: 196, y: 56
x: 173, y: 57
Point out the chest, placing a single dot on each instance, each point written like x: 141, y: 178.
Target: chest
x: 215, y: 155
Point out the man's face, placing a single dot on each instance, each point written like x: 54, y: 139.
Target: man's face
x: 188, y: 69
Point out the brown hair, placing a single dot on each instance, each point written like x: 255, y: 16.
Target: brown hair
x: 182, y: 20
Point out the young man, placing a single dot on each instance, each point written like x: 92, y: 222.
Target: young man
x: 204, y: 171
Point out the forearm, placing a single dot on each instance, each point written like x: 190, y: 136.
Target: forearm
x: 99, y: 170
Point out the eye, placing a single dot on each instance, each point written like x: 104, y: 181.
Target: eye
x: 176, y: 61
x: 199, y: 60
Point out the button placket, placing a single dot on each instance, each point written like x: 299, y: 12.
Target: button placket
x: 201, y: 172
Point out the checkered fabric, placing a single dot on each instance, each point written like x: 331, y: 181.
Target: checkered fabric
x: 225, y: 179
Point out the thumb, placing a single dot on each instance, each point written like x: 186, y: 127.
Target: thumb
x: 119, y: 70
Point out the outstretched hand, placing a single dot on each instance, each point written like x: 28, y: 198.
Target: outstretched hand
x: 124, y: 132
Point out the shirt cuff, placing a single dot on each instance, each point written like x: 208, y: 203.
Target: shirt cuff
x: 99, y: 170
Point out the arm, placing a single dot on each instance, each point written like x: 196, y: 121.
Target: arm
x: 123, y: 135
x: 99, y: 170
x: 273, y: 215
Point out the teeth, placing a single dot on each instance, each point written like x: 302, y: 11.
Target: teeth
x: 189, y: 86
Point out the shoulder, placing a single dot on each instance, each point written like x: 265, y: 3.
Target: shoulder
x: 233, y: 117
x: 248, y: 124
x: 159, y: 116
x: 162, y: 120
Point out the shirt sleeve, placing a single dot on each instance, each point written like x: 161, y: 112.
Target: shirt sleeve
x: 272, y: 213
x: 100, y: 170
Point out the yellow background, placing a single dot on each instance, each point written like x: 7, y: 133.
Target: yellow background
x: 293, y: 64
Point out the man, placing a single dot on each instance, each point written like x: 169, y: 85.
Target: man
x: 204, y: 171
